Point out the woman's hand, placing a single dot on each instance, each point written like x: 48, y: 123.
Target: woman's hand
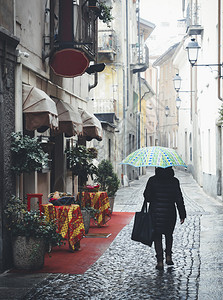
x: 182, y: 221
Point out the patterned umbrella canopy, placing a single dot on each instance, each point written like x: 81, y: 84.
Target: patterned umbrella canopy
x: 154, y: 156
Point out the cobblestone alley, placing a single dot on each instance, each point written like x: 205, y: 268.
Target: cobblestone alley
x: 127, y: 269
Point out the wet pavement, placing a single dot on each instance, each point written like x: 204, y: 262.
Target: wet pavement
x: 127, y: 269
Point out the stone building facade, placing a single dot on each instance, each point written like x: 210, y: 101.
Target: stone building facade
x: 8, y: 44
x: 31, y: 34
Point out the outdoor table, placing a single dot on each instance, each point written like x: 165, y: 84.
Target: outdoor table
x: 69, y: 221
x: 99, y: 201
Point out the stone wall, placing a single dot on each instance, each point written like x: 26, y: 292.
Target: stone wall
x: 8, y: 44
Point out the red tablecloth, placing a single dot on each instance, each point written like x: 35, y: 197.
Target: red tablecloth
x: 69, y: 221
x: 99, y: 201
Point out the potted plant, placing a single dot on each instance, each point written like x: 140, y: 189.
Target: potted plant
x: 80, y: 161
x: 88, y: 212
x: 102, y: 10
x: 105, y: 13
x: 108, y: 180
x: 31, y: 235
x: 27, y: 154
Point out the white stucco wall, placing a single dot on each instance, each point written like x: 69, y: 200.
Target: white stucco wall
x: 184, y: 143
x: 208, y: 103
x: 203, y: 133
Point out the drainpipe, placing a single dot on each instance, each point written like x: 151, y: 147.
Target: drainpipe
x: 127, y: 54
x: 95, y: 82
x: 219, y: 50
x: 52, y: 6
x: 126, y: 89
x: 157, y: 108
x: 14, y: 18
x: 124, y: 122
x: 96, y: 61
x: 138, y: 120
x: 139, y: 81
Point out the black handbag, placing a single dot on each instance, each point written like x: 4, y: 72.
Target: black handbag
x: 143, y: 226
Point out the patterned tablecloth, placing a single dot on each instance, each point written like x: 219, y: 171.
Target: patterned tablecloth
x: 69, y: 221
x: 99, y: 201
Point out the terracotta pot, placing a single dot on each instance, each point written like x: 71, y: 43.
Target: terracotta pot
x: 86, y: 218
x: 28, y: 253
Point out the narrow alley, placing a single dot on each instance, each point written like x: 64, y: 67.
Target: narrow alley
x: 127, y: 269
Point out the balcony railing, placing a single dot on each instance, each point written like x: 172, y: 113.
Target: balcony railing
x: 107, y: 42
x: 139, y: 60
x: 106, y: 106
x: 75, y: 28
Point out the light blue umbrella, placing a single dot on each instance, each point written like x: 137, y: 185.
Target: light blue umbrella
x: 155, y: 157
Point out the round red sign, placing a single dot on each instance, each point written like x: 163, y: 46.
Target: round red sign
x: 69, y: 63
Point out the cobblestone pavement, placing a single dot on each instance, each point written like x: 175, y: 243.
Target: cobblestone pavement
x: 127, y: 269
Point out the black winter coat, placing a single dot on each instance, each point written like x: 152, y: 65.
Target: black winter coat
x: 164, y: 195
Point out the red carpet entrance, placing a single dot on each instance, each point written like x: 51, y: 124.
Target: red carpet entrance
x: 92, y: 247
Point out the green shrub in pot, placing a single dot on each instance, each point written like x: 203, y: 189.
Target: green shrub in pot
x: 31, y: 230
x: 80, y: 162
x: 27, y: 154
x: 102, y: 11
x: 108, y: 180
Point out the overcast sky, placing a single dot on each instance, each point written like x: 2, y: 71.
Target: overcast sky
x: 164, y: 14
x: 160, y: 10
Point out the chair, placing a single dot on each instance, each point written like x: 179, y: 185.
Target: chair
x: 30, y: 196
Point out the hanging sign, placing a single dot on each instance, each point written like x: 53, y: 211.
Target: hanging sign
x: 69, y: 62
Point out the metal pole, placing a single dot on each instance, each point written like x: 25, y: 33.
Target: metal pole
x: 139, y: 80
x: 126, y: 79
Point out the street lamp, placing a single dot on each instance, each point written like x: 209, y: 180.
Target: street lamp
x: 177, y: 82
x: 192, y: 50
x: 178, y: 102
x: 167, y: 111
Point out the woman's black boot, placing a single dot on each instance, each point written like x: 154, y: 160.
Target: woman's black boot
x: 159, y: 258
x: 169, y: 261
x: 159, y: 265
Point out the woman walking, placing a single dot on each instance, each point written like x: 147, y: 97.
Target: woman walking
x: 164, y: 195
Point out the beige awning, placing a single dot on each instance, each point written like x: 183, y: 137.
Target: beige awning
x: 91, y: 126
x: 70, y: 121
x: 39, y: 109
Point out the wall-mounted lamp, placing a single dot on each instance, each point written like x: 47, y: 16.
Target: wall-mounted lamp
x: 20, y: 53
x: 192, y: 50
x: 43, y: 139
x: 177, y: 82
x: 178, y: 102
x: 167, y: 111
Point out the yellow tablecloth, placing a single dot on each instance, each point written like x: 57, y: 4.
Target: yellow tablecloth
x: 99, y: 201
x: 69, y: 221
